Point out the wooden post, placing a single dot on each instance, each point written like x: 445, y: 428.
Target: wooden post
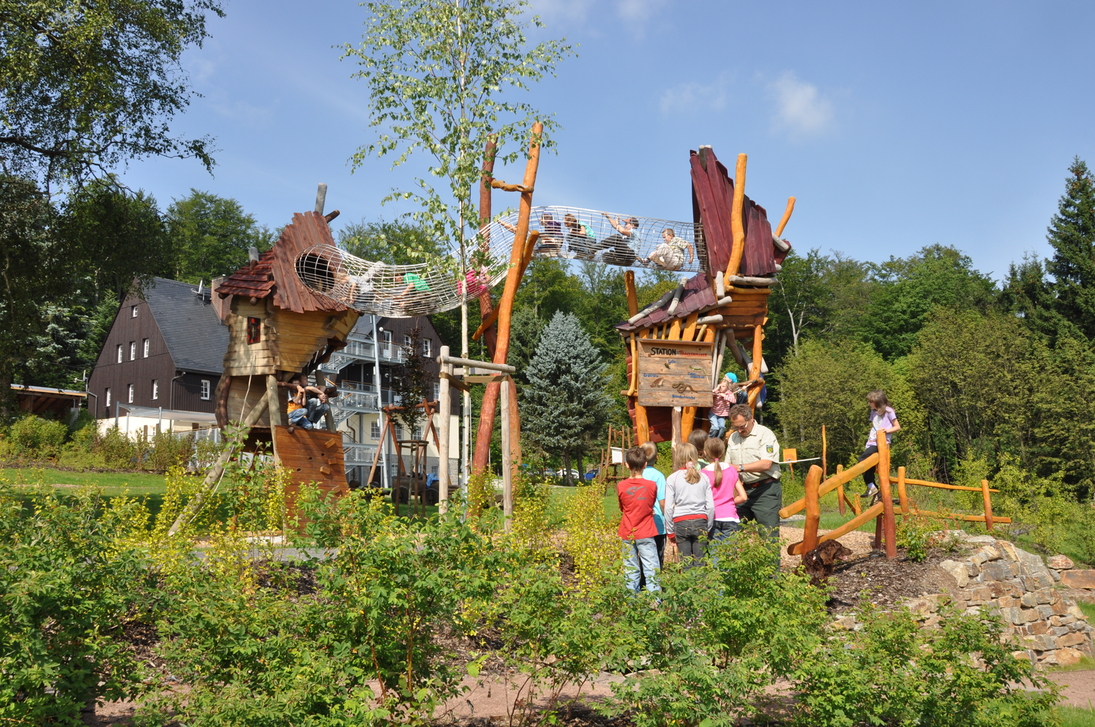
x: 813, y: 509
x: 507, y: 472
x: 676, y: 418
x: 901, y: 496
x: 445, y: 405
x: 883, y: 472
x: 754, y: 370
x: 988, y: 503
x: 490, y: 335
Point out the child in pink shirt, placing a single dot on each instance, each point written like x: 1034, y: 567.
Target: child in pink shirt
x: 722, y: 398
x: 726, y: 489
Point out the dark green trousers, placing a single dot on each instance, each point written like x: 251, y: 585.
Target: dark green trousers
x: 763, y: 506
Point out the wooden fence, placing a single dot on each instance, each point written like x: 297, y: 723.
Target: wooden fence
x: 882, y: 511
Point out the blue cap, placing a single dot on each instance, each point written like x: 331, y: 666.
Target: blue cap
x: 732, y: 377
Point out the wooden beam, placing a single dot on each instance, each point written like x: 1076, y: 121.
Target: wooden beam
x: 737, y: 225
x: 786, y: 216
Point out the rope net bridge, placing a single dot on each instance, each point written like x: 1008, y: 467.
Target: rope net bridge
x: 403, y: 291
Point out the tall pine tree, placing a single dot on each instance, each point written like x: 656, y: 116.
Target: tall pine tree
x: 565, y: 400
x: 1072, y: 235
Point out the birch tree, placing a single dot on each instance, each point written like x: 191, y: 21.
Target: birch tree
x: 441, y: 78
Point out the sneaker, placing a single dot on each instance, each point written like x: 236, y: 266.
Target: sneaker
x: 872, y: 491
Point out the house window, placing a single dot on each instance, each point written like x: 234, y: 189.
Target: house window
x: 387, y: 338
x: 155, y: 389
x: 425, y: 347
x: 145, y: 347
x: 205, y: 389
x: 133, y: 314
x: 120, y: 359
x: 374, y: 430
x: 130, y: 399
x: 416, y: 433
x: 132, y: 350
x: 408, y: 342
x: 436, y: 391
x: 107, y: 397
x: 254, y: 330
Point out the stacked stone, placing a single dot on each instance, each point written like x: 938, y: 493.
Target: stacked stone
x: 998, y: 578
x: 1018, y: 587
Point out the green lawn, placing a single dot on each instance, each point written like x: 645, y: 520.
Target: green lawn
x: 112, y: 483
x: 1076, y: 717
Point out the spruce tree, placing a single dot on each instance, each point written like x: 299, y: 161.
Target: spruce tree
x: 566, y: 396
x: 1072, y: 235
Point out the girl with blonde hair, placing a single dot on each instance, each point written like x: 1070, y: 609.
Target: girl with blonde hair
x: 689, y: 507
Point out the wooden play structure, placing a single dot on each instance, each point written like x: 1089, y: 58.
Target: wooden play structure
x: 278, y: 328
x: 410, y: 483
x: 675, y: 347
x: 882, y: 511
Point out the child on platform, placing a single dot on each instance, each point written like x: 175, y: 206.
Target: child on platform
x: 722, y: 398
x: 638, y: 499
x: 883, y: 419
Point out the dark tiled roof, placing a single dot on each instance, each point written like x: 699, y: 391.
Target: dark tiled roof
x: 697, y: 295
x: 189, y: 324
x: 276, y: 273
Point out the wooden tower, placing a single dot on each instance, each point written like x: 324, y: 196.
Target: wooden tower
x: 278, y: 328
x: 675, y: 347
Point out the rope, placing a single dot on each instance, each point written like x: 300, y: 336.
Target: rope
x: 570, y: 233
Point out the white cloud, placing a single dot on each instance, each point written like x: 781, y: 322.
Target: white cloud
x: 562, y: 11
x: 800, y: 108
x: 637, y: 12
x: 693, y: 96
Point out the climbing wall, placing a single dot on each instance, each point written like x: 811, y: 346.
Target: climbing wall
x: 311, y: 455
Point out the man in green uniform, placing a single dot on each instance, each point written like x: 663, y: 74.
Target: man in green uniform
x: 754, y: 452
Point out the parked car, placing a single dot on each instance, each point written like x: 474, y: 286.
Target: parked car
x: 592, y: 474
x: 575, y: 476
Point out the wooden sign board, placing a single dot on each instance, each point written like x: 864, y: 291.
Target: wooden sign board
x: 674, y: 373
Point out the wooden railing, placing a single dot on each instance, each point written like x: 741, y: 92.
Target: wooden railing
x: 882, y: 511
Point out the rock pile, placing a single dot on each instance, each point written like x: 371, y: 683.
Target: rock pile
x: 998, y: 578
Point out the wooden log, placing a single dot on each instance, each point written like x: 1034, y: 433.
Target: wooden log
x: 813, y: 509
x: 467, y: 362
x: 445, y: 401
x: 854, y: 523
x: 737, y: 226
x: 677, y: 296
x: 651, y: 308
x: 275, y: 397
x: 889, y: 527
x: 214, y: 473
x: 321, y: 197
x: 642, y: 424
x: 708, y: 320
x: 720, y: 287
x: 754, y: 370
x: 901, y: 495
x: 786, y: 217
x: 720, y: 337
x: 750, y: 280
x: 780, y: 244
x: 507, y: 466
x: 843, y: 476
x: 941, y: 486
x: 676, y: 423
x: 632, y: 294
x: 988, y: 503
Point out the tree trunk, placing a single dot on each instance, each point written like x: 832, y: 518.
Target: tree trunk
x: 566, y: 467
x: 581, y: 470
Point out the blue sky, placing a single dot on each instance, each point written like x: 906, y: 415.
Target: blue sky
x: 895, y: 125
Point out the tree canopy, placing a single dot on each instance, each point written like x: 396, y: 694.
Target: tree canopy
x: 87, y: 86
x: 210, y: 236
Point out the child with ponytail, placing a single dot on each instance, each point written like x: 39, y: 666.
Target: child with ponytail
x: 689, y: 507
x: 726, y: 490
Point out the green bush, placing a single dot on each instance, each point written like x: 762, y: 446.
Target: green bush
x: 959, y: 674
x: 67, y: 587
x: 38, y: 438
x: 117, y: 450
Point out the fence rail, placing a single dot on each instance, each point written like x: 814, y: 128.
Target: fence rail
x: 882, y: 511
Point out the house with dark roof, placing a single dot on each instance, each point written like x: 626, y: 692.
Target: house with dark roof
x: 162, y: 359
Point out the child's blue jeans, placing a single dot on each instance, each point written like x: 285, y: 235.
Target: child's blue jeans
x: 645, y: 551
x: 718, y: 425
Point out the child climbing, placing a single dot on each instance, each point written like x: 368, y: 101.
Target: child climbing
x: 723, y: 397
x: 883, y: 419
x: 670, y: 254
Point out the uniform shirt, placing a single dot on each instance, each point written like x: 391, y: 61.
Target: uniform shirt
x: 659, y: 479
x: 637, y: 505
x: 759, y: 444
